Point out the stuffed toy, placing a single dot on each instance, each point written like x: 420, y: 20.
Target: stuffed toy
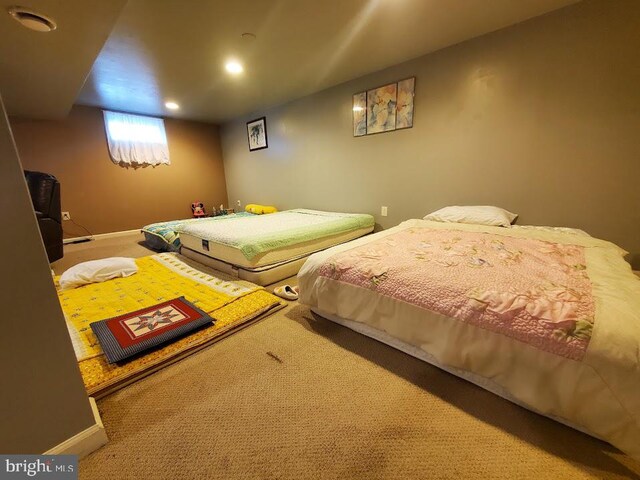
x: 260, y: 209
x: 197, y: 208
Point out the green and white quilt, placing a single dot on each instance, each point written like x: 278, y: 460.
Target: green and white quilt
x: 164, y: 236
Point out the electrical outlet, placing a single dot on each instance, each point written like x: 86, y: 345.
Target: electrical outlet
x: 239, y: 204
x: 66, y: 216
x: 383, y: 211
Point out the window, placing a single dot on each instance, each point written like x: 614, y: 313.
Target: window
x: 135, y: 140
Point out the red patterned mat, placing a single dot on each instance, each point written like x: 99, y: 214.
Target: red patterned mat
x: 127, y: 335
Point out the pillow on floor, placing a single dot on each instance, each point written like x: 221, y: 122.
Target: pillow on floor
x: 260, y: 209
x: 480, y: 215
x: 97, y: 271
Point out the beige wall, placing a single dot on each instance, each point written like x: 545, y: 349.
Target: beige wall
x: 42, y: 398
x: 105, y: 197
x: 541, y: 118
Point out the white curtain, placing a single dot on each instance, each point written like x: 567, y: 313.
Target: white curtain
x: 135, y: 140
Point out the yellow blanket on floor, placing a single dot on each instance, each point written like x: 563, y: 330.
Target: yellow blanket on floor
x: 160, y: 277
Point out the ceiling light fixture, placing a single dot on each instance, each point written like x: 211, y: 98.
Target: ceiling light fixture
x: 234, y: 67
x: 172, y: 105
x: 32, y: 20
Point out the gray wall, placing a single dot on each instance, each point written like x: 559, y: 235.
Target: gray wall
x: 542, y: 118
x: 42, y: 399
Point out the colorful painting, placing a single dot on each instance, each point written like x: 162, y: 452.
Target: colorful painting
x: 404, y: 107
x: 384, y: 109
x: 257, y: 134
x: 381, y: 108
x: 360, y: 114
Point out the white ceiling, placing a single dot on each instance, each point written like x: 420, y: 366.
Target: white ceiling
x: 42, y: 73
x: 175, y: 50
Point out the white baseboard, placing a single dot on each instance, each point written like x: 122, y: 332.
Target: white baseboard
x: 100, y: 235
x: 86, y: 441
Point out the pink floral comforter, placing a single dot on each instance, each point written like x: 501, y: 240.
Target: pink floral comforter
x: 535, y: 291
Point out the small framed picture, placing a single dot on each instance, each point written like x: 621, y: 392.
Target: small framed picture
x: 257, y: 134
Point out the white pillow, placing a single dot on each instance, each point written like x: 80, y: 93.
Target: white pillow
x: 97, y: 271
x: 481, y: 215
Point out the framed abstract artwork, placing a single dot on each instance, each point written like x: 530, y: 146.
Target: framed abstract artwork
x: 404, y: 106
x: 384, y: 109
x: 257, y: 134
x: 360, y: 114
x: 381, y: 108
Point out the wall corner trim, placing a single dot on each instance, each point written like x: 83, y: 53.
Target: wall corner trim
x: 85, y: 442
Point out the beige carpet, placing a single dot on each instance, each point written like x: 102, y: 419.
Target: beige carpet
x: 296, y: 396
x: 129, y: 245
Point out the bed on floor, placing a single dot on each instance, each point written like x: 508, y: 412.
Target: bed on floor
x: 266, y: 248
x: 164, y: 236
x: 546, y: 318
x: 232, y: 305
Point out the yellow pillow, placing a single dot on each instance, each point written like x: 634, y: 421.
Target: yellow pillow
x: 260, y: 209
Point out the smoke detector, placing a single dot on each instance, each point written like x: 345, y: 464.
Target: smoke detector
x: 32, y: 20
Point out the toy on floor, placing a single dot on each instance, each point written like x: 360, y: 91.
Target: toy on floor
x: 221, y: 211
x: 197, y: 208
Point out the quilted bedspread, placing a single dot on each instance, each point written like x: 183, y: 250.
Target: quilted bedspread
x: 532, y: 290
x: 544, y: 317
x: 164, y: 236
x: 161, y: 277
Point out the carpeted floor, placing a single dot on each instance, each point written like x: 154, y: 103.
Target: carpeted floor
x: 296, y: 396
x: 130, y: 245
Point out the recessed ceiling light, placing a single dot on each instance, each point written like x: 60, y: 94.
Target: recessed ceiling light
x: 172, y: 105
x: 234, y: 67
x: 32, y: 20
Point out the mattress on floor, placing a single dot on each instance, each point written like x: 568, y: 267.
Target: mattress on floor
x: 259, y: 241
x: 231, y: 303
x: 265, y: 275
x: 547, y: 319
x: 383, y: 337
